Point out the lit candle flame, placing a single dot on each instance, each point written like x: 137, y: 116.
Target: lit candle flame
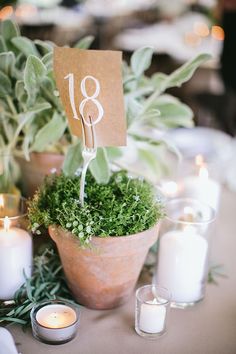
x: 25, y: 11
x: 217, y: 32
x: 6, y: 223
x: 1, y: 201
x: 199, y: 160
x: 201, y: 29
x: 6, y: 12
x: 203, y: 172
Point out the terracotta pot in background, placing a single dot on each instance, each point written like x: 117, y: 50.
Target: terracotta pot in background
x: 103, y: 276
x: 34, y: 171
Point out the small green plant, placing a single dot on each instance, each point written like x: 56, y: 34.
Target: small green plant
x: 124, y: 206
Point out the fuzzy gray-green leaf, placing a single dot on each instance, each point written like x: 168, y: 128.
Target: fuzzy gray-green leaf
x: 85, y: 42
x: 47, y: 60
x: 99, y: 167
x: 185, y: 72
x: 5, y: 85
x: 3, y: 47
x: 25, y: 45
x: 141, y: 60
x: 7, y: 61
x: 34, y: 73
x: 49, y: 133
x: 44, y: 46
x: 9, y: 30
x: 73, y: 159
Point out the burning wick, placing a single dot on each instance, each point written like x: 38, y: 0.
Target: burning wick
x: 199, y: 160
x: 203, y: 171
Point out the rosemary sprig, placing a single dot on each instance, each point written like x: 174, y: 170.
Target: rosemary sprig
x: 216, y: 271
x: 47, y: 283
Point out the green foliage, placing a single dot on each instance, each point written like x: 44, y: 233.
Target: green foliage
x: 85, y: 42
x: 141, y: 60
x: 29, y: 105
x: 99, y: 167
x: 124, y: 206
x: 216, y: 271
x: 47, y: 283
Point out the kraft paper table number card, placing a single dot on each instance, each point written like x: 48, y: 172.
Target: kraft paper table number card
x: 90, y: 87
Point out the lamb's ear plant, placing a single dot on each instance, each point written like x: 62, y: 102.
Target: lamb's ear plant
x: 32, y: 118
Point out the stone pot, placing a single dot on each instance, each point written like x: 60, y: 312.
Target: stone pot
x: 104, y: 275
x: 34, y: 171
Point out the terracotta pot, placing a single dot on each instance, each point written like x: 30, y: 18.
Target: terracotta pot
x: 34, y: 171
x: 103, y: 276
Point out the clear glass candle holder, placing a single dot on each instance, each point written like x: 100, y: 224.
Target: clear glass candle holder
x: 182, y: 264
x: 15, y: 208
x: 55, y: 322
x: 152, y: 309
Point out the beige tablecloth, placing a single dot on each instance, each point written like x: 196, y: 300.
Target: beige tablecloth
x: 208, y: 328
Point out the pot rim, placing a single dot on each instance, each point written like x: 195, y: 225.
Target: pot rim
x: 123, y: 237
x: 43, y: 153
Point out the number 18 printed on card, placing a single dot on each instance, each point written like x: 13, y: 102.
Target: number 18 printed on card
x: 91, y: 90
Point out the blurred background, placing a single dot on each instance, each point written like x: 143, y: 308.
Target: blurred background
x: 178, y: 30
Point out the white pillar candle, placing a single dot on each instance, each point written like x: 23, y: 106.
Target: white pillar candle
x: 202, y: 188
x: 152, y: 317
x: 15, y: 258
x: 182, y: 263
x: 55, y: 323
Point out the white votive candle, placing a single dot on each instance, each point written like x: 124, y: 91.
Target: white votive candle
x: 15, y: 259
x: 55, y: 323
x: 151, y: 312
x: 182, y: 264
x: 203, y: 188
x: 152, y: 317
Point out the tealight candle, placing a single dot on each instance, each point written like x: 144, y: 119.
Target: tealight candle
x: 15, y: 259
x: 55, y: 322
x: 152, y: 305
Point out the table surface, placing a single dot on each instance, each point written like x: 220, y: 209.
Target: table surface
x: 208, y: 328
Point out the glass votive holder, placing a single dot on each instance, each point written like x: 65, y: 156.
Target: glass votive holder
x: 16, y: 248
x: 151, y: 312
x: 15, y: 208
x: 54, y: 321
x: 182, y: 263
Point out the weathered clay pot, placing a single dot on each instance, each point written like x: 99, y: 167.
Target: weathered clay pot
x: 103, y: 276
x: 34, y: 171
